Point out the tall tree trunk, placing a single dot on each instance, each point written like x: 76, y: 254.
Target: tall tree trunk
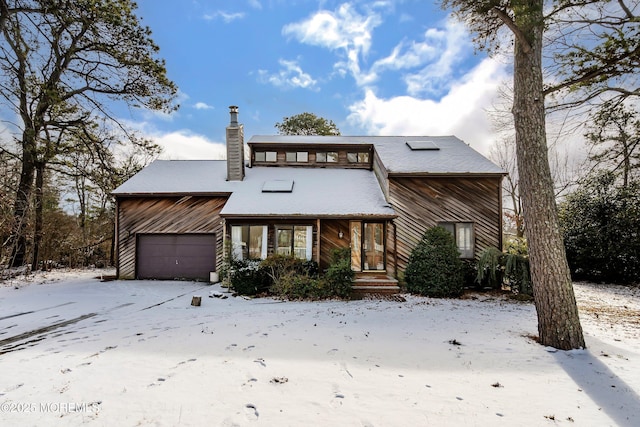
x: 37, y: 232
x: 558, y: 321
x: 21, y: 204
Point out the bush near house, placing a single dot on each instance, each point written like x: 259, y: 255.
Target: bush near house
x: 510, y: 268
x: 247, y: 277
x: 291, y: 278
x: 434, y: 267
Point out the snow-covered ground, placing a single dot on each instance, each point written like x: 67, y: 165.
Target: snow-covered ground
x: 75, y: 350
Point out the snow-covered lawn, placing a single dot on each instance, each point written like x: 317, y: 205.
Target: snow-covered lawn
x: 75, y: 350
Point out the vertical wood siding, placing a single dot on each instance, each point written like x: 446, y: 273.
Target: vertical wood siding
x: 423, y: 202
x: 165, y: 215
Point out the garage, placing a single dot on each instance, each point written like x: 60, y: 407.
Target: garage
x: 175, y: 256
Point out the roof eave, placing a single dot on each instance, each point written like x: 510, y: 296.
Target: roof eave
x: 173, y: 194
x: 391, y: 174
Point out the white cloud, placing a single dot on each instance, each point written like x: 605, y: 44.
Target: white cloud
x: 225, y: 16
x: 255, y: 4
x: 184, y: 145
x: 291, y: 75
x: 450, y: 44
x: 343, y: 30
x: 461, y: 112
x: 202, y: 106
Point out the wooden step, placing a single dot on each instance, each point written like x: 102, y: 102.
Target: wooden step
x: 370, y: 284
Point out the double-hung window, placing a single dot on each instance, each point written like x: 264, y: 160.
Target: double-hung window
x: 463, y: 235
x: 249, y: 241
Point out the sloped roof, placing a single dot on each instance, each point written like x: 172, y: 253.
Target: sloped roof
x: 452, y: 157
x: 316, y: 192
x: 164, y: 177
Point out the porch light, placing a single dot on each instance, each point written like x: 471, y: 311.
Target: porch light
x: 340, y: 234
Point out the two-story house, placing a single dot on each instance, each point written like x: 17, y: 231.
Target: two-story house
x: 305, y: 196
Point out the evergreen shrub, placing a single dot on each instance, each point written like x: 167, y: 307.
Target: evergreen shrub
x: 434, y: 267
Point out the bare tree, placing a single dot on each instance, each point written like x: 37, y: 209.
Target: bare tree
x: 64, y: 62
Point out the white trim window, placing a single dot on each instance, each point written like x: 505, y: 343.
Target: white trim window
x: 463, y: 234
x: 249, y: 241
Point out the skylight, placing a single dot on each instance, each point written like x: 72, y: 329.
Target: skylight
x: 278, y: 186
x: 422, y: 145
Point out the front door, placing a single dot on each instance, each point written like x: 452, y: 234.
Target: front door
x: 367, y: 246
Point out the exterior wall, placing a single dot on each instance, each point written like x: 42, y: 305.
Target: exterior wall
x: 330, y: 240
x: 187, y: 214
x: 423, y: 202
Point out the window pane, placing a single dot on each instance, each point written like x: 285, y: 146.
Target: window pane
x: 291, y: 156
x: 300, y: 242
x: 356, y: 245
x: 464, y: 239
x: 363, y: 157
x: 332, y: 157
x: 260, y: 156
x: 449, y: 226
x: 373, y: 246
x: 255, y: 242
x: 236, y: 242
x: 352, y: 157
x: 302, y: 156
x: 321, y: 157
x: 284, y: 237
x: 271, y: 156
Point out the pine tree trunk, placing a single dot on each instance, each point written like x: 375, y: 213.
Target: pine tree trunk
x: 558, y: 321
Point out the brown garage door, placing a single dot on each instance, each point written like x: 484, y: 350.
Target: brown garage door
x: 175, y: 256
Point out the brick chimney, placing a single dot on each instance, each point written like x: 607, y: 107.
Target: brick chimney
x: 235, y: 147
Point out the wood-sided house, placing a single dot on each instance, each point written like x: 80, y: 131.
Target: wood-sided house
x: 305, y: 196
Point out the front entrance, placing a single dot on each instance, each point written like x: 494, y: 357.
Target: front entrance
x: 367, y: 246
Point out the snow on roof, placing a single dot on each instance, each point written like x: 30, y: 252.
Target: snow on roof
x: 452, y: 157
x: 179, y: 177
x: 316, y: 192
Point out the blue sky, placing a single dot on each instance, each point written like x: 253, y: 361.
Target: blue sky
x: 396, y: 67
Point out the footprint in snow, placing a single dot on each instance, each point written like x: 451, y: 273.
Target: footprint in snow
x: 260, y: 361
x: 251, y: 411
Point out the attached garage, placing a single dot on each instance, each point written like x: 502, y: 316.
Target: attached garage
x: 175, y: 256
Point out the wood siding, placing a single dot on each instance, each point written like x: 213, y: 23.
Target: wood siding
x: 330, y: 240
x: 187, y: 214
x: 342, y: 163
x: 423, y: 202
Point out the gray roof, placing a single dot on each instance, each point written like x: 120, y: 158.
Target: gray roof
x: 316, y: 192
x: 453, y: 156
x: 164, y: 177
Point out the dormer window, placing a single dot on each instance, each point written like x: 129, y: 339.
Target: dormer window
x: 297, y: 157
x: 266, y: 156
x: 358, y: 157
x: 327, y: 157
